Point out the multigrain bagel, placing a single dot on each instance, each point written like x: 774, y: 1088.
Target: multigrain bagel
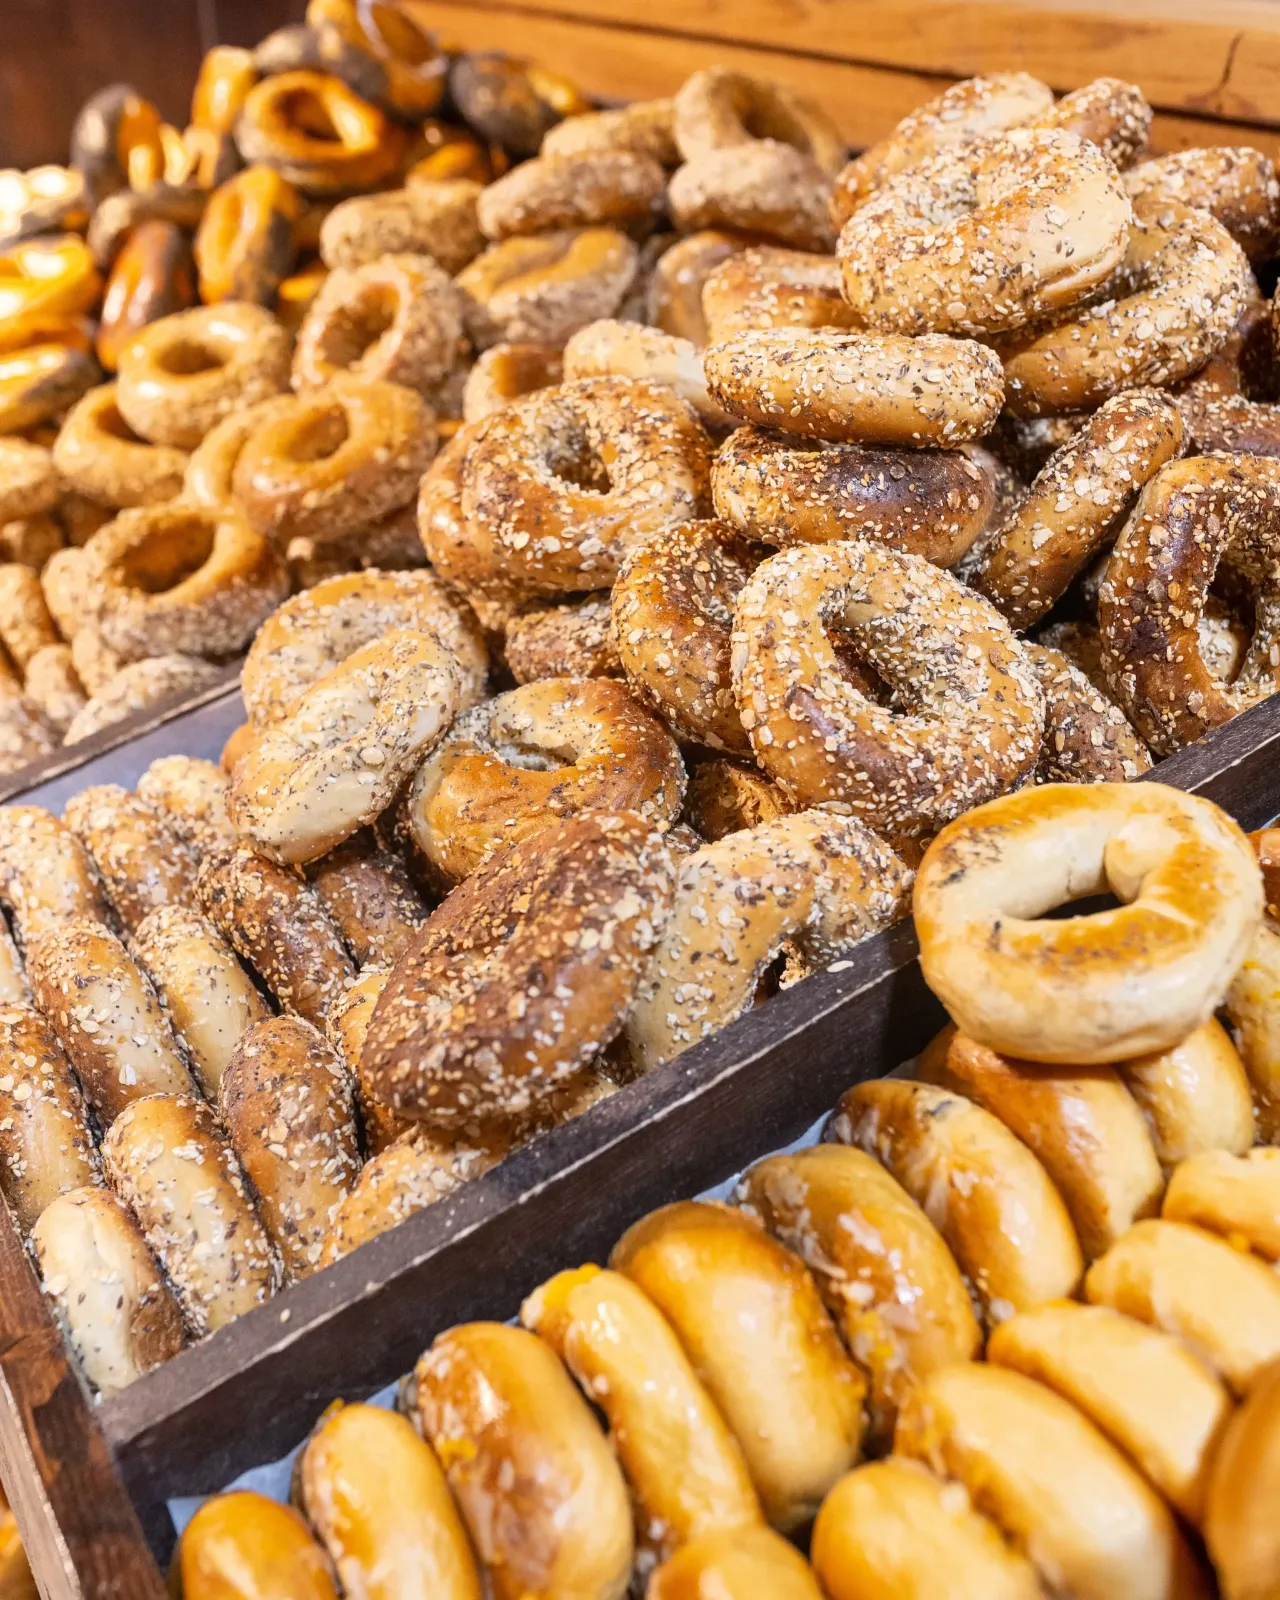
x: 1236, y: 184
x: 1087, y: 738
x: 983, y: 238
x: 25, y: 623
x: 46, y: 1146
x: 967, y: 720
x: 123, y: 689
x: 1109, y: 113
x: 1192, y: 902
x: 860, y: 388
x: 336, y: 760
x: 140, y: 863
x: 718, y: 109
x: 673, y: 604
x: 317, y: 631
x: 768, y: 287
x: 984, y: 1191
x: 782, y: 490
x: 1180, y: 289
x: 46, y: 877
x: 183, y: 374
x: 568, y: 918
x: 575, y: 640
x: 763, y: 187
x: 1192, y: 516
x: 507, y: 372
x: 192, y: 795
x: 53, y: 686
x: 183, y: 579
x: 544, y: 287
x: 368, y: 893
x: 821, y: 884
x: 1077, y: 503
x: 29, y: 482
x: 645, y: 126
x: 98, y: 454
x: 436, y: 219
x: 725, y: 796
x: 533, y: 756
x: 535, y: 486
x: 614, y: 188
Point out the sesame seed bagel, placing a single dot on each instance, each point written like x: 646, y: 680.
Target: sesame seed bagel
x: 859, y: 388
x: 1237, y: 185
x: 610, y: 348
x: 567, y: 920
x: 985, y: 237
x: 314, y: 632
x: 586, y: 189
x: 140, y: 863
x: 370, y: 896
x: 1062, y: 991
x: 680, y: 274
x: 99, y: 455
x: 507, y: 372
x: 545, y: 751
x: 192, y: 795
x: 544, y: 287
x: 1189, y: 518
x: 46, y: 877
x: 767, y: 287
x: 437, y: 219
x: 336, y: 760
x: 784, y: 490
x: 763, y: 186
x: 825, y: 883
x: 1109, y: 113
x: 575, y: 640
x: 1181, y: 288
x: 967, y: 709
x: 724, y: 797
x: 46, y: 1144
x: 182, y: 579
x: 1087, y: 738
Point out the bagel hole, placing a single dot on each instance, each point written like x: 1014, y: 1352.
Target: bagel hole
x: 354, y: 331
x: 576, y: 462
x: 1090, y: 905
x: 320, y: 434
x: 112, y: 423
x: 187, y: 357
x: 530, y: 757
x: 859, y: 674
x: 303, y: 110
x: 169, y: 557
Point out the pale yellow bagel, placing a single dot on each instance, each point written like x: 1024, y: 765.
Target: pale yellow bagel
x: 1237, y: 1197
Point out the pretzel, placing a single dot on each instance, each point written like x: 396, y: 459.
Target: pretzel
x: 276, y: 923
x: 538, y: 917
x: 340, y: 457
x: 432, y: 219
x: 140, y: 864
x: 315, y: 632
x: 183, y: 374
x: 611, y: 188
x: 46, y: 1148
x: 335, y: 762
x: 167, y: 1160
x: 984, y: 1191
x: 612, y: 348
x: 1237, y: 185
x: 763, y: 186
x: 1191, y: 516
x: 568, y: 641
x: 46, y: 877
x: 543, y: 288
x: 120, y: 1316
x: 207, y: 994
x: 480, y: 789
x: 1192, y: 904
x: 1183, y: 285
x: 369, y: 895
x: 969, y: 718
x: 192, y: 795
x: 858, y: 388
x: 397, y: 319
x: 100, y: 456
x: 357, y: 149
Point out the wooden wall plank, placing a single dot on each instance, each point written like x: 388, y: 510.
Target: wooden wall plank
x: 1215, y: 60
x: 626, y: 64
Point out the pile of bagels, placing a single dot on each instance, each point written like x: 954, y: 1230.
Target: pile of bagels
x: 1010, y: 1329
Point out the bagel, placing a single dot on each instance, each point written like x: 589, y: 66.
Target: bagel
x: 825, y: 883
x: 1194, y: 1097
x: 29, y: 482
x: 244, y: 1533
x: 337, y: 759
x: 984, y: 238
x: 1234, y: 1195
x: 25, y: 624
x: 507, y: 372
x: 718, y: 108
x: 593, y: 188
x: 46, y: 1148
x: 612, y: 348
x: 1192, y: 903
x: 485, y: 786
x: 569, y: 917
x: 1109, y: 113
x: 724, y: 797
x: 628, y: 1361
x: 53, y: 686
x: 681, y: 272
x: 39, y: 382
x: 377, y: 1497
x: 131, y: 687
x: 983, y: 1190
x: 1255, y: 1018
x: 313, y: 633
x: 211, y: 466
x: 858, y: 388
x: 46, y: 877
x: 317, y: 133
x: 115, y: 141
x: 205, y: 990
x: 738, y: 1564
x: 965, y: 727
x: 1236, y: 185
x: 888, y: 1280
x: 765, y: 287
x: 545, y: 287
x: 412, y: 63
x: 192, y: 795
x: 1087, y: 738
x: 775, y: 1369
x: 782, y: 490
x: 431, y: 219
x: 1241, y: 1529
x: 762, y: 186
x: 183, y: 374
x: 569, y: 641
x: 646, y: 127
x: 140, y: 864
x: 183, y: 579
x: 99, y: 455
x: 510, y: 100
x: 368, y: 893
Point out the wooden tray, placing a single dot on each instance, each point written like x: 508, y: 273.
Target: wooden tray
x: 89, y: 1482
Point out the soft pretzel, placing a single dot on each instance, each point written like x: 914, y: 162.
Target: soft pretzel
x: 480, y: 789
x: 271, y: 918
x: 98, y: 454
x: 1236, y: 184
x: 376, y: 1495
x: 613, y: 188
x: 887, y: 1278
x: 1063, y: 991
x: 1142, y: 1388
x: 983, y: 1190
x: 205, y: 990
x: 140, y: 864
x: 983, y: 238
x: 825, y: 883
x: 167, y: 1160
x: 46, y: 1148
x: 568, y: 917
x: 336, y: 761
x: 1060, y: 1492
x: 628, y: 1361
x: 192, y: 795
x: 46, y: 877
x: 544, y: 287
x: 1235, y: 1195
x: 969, y: 710
x: 369, y: 895
x: 859, y: 388
x: 737, y: 1563
x: 120, y: 1316
x: 537, y: 1485
x: 797, y: 1414
x: 287, y: 1104
x: 245, y: 1532
x: 433, y: 219
x: 313, y: 633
